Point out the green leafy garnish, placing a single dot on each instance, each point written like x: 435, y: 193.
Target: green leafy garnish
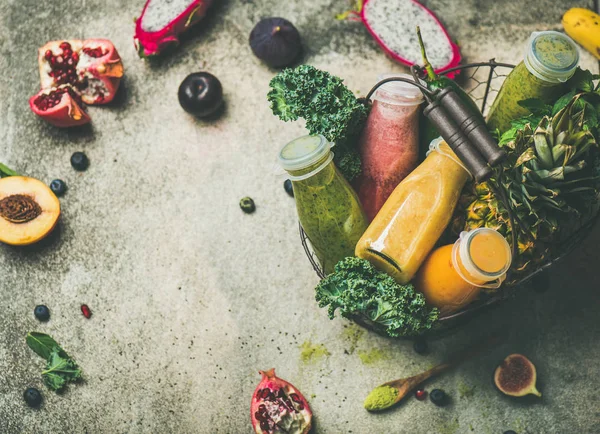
x: 5, y: 171
x: 41, y: 344
x: 60, y: 367
x: 328, y: 107
x: 359, y: 291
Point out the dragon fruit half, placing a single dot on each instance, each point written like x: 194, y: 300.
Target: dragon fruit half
x: 392, y: 23
x: 162, y: 21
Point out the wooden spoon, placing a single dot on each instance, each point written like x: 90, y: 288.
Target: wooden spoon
x: 406, y: 385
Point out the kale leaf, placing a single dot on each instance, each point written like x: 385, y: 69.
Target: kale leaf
x: 359, y: 291
x: 328, y: 107
x: 60, y: 369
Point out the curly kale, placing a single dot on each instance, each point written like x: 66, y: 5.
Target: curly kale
x: 328, y: 107
x: 360, y: 291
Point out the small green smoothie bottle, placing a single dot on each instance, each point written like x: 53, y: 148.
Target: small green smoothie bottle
x: 328, y: 208
x: 550, y: 60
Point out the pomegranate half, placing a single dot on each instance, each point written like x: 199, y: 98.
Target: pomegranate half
x: 278, y: 407
x: 92, y: 67
x: 60, y: 106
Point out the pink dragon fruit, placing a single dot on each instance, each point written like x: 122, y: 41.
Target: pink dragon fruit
x: 163, y: 20
x: 392, y: 23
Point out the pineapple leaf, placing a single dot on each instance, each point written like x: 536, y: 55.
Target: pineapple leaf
x: 544, y: 153
x: 526, y: 156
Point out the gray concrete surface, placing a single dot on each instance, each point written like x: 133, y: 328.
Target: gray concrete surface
x: 190, y: 296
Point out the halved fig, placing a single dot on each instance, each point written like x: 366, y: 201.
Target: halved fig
x: 28, y: 210
x: 516, y: 376
x: 60, y: 106
x: 93, y: 67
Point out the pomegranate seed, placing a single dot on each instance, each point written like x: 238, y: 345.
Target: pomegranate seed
x: 65, y: 45
x: 67, y: 53
x: 59, y: 59
x: 85, y: 310
x: 75, y: 57
x: 48, y: 54
x: 420, y: 394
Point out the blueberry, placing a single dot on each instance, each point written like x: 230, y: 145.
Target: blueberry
x: 42, y: 312
x: 287, y: 184
x: 58, y: 187
x: 420, y: 346
x: 510, y: 432
x: 79, y: 161
x: 247, y: 205
x: 32, y: 397
x: 438, y: 397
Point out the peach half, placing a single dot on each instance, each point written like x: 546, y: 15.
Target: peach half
x: 28, y: 210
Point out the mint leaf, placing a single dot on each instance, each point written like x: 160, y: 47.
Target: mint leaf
x: 60, y: 370
x: 5, y: 171
x: 582, y: 80
x: 41, y: 344
x: 562, y: 102
x: 535, y: 106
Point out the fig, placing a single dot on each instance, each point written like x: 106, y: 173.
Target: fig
x: 276, y: 42
x: 516, y: 376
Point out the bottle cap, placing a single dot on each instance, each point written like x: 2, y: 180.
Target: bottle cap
x: 398, y: 92
x: 551, y: 56
x: 304, y: 152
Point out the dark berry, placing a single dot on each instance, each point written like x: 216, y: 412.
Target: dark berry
x: 287, y: 185
x: 79, y: 161
x: 510, y: 432
x: 247, y: 205
x: 58, y: 187
x: 42, y: 312
x: 85, y: 310
x: 420, y: 394
x: 201, y: 94
x: 438, y: 397
x: 33, y: 397
x: 420, y: 346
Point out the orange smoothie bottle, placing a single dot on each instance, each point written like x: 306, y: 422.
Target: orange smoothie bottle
x: 452, y: 276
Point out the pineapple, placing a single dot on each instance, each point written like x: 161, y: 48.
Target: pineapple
x: 548, y: 182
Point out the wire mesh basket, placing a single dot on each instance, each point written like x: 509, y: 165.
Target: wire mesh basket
x: 481, y: 81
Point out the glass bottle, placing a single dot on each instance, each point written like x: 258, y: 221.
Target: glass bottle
x: 415, y: 215
x: 328, y: 208
x: 389, y: 144
x: 550, y: 60
x: 452, y: 276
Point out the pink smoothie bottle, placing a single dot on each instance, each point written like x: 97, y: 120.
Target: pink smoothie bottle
x: 389, y: 144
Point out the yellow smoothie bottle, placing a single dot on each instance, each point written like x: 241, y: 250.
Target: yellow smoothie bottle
x: 415, y: 215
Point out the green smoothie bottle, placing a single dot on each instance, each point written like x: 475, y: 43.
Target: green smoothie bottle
x: 328, y: 208
x: 550, y: 60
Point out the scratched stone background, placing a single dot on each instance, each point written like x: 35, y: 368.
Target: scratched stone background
x: 191, y: 297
